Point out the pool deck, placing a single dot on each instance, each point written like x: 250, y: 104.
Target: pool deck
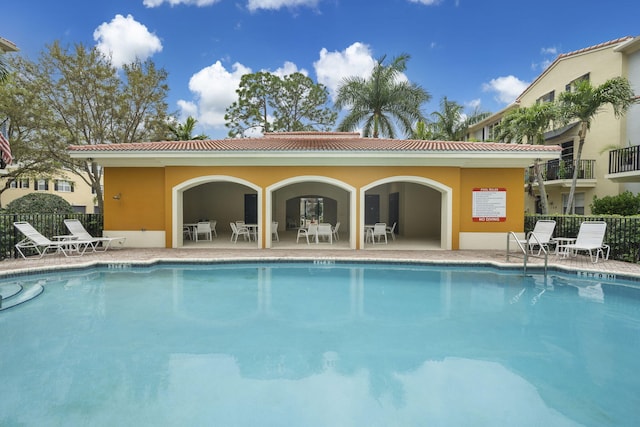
x: 118, y: 257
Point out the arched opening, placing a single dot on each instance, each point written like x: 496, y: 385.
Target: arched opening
x: 294, y: 199
x: 420, y: 207
x: 218, y: 198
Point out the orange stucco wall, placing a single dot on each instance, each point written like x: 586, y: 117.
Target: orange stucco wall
x: 146, y: 192
x: 511, y: 180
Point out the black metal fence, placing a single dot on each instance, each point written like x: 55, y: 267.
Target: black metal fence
x: 624, y: 159
x: 47, y: 224
x: 623, y: 232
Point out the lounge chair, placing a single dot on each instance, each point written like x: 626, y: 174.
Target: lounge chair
x: 99, y: 244
x: 541, y: 236
x: 590, y: 238
x: 69, y: 246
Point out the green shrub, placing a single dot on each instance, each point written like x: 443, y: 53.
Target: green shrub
x: 39, y: 203
x: 625, y: 204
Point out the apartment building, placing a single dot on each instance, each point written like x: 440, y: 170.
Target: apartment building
x: 65, y: 184
x: 608, y: 138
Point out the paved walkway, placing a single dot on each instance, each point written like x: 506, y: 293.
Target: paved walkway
x: 143, y: 256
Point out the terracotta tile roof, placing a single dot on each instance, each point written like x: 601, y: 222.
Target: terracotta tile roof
x: 598, y: 46
x: 310, y: 142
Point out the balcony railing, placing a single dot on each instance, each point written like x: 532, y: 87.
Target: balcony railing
x: 624, y: 159
x: 554, y: 170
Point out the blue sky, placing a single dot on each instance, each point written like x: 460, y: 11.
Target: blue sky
x: 475, y: 52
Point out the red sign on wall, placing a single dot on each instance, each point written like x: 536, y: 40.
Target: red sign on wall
x: 489, y: 205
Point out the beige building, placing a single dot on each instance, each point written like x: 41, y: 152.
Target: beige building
x: 597, y: 177
x: 65, y: 184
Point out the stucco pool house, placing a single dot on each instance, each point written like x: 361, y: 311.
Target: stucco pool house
x: 461, y: 195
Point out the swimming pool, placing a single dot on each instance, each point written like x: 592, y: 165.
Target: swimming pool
x: 320, y: 345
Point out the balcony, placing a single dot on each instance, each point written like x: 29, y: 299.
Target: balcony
x: 559, y: 173
x: 624, y: 164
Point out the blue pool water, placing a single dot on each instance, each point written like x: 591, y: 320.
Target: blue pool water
x: 314, y: 345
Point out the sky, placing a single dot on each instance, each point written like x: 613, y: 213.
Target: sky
x: 479, y: 53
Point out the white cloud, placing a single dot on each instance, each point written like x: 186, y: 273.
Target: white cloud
x: 549, y: 51
x: 254, y: 5
x: 332, y: 67
x: 199, y: 3
x: 125, y: 40
x: 507, y: 89
x: 289, y: 68
x: 474, y: 103
x: 214, y: 88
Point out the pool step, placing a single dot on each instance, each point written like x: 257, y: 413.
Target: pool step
x: 12, y: 295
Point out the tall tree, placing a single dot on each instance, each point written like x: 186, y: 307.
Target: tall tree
x: 582, y: 104
x: 449, y: 123
x: 184, y: 131
x: 268, y: 103
x: 529, y: 124
x: 83, y: 100
x: 382, y: 101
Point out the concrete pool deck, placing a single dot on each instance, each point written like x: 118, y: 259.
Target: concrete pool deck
x: 579, y: 264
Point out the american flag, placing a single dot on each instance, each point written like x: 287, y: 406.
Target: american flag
x: 5, y: 148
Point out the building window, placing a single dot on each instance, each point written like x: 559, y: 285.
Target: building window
x: 63, y: 186
x: 549, y: 97
x: 569, y: 87
x: 19, y: 183
x: 41, y: 185
x: 79, y: 209
x: 578, y: 203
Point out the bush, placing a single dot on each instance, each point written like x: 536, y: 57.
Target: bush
x: 625, y: 204
x: 35, y: 203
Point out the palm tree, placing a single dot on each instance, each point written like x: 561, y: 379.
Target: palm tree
x: 449, y: 123
x: 381, y: 100
x: 184, y: 132
x: 530, y: 124
x: 4, y: 69
x: 583, y: 103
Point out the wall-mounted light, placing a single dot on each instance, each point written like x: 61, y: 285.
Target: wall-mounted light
x: 117, y: 196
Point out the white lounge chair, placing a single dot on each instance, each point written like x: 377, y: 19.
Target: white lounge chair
x: 541, y: 235
x: 324, y: 231
x: 35, y: 240
x: 590, y: 238
x: 99, y: 244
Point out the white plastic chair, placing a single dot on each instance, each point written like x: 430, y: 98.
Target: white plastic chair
x: 213, y: 227
x: 379, y: 231
x: 541, y: 235
x: 590, y: 238
x: 239, y: 230
x: 312, y: 231
x: 336, y: 236
x: 274, y: 231
x: 392, y: 231
x: 324, y: 231
x: 203, y: 227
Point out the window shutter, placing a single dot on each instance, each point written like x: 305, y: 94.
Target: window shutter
x: 55, y: 185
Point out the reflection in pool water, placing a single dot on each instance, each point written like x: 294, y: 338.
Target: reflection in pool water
x: 336, y: 345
